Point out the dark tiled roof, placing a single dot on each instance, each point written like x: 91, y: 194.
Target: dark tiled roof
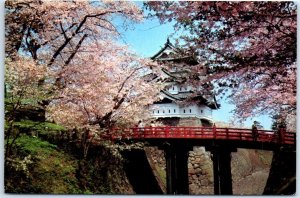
x: 177, y: 56
x: 207, y: 100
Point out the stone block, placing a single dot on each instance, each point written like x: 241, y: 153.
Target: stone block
x: 192, y: 171
x: 204, y: 182
x: 196, y: 165
x: 193, y: 188
x: 194, y: 177
x: 198, y: 170
x: 198, y: 160
x: 206, y: 167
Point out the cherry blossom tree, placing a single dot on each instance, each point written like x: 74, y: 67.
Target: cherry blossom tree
x: 95, y: 80
x: 106, y: 88
x: 54, y: 31
x: 250, y: 48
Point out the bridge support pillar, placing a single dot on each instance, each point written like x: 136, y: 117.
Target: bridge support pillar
x: 222, y: 171
x: 177, y: 169
x: 170, y: 170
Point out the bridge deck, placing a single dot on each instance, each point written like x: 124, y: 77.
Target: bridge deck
x: 209, y: 133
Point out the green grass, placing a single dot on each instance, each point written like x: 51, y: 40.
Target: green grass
x: 35, y: 146
x: 53, y: 170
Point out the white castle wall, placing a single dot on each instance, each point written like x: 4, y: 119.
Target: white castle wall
x: 168, y: 110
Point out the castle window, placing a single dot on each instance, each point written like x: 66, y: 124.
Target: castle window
x: 180, y: 89
x: 173, y: 87
x: 169, y: 111
x: 201, y: 111
x: 190, y: 110
x: 163, y: 111
x: 153, y: 112
x: 157, y: 111
x: 183, y: 110
x: 174, y: 110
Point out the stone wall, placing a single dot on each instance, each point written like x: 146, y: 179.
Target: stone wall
x: 189, y: 122
x: 179, y: 121
x: 200, y: 171
x: 250, y: 170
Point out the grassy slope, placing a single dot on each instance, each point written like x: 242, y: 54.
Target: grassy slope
x: 51, y: 171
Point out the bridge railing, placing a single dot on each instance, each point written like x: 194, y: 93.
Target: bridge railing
x: 203, y: 133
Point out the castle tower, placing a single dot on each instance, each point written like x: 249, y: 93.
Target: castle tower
x: 180, y: 103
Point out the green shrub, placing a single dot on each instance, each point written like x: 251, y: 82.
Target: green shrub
x: 41, y: 127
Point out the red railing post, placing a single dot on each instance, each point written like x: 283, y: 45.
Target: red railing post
x: 139, y: 132
x: 214, y: 132
x: 167, y: 131
x: 144, y: 132
x: 281, y: 135
x: 294, y: 138
x: 193, y: 133
x: 227, y: 133
x: 151, y: 131
x: 134, y: 132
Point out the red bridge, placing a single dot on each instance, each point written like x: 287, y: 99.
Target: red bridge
x: 221, y: 142
x: 205, y: 133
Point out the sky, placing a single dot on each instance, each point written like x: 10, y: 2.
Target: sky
x: 148, y: 37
